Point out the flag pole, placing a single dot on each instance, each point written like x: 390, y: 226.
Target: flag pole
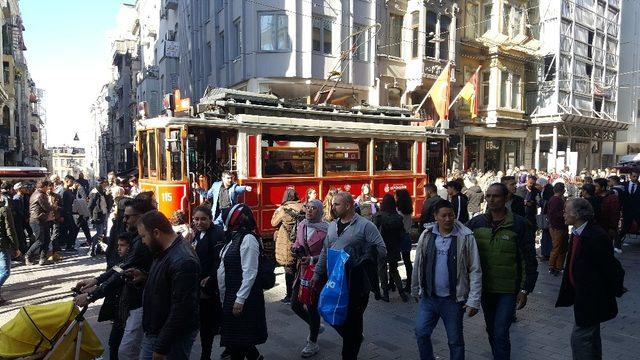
x: 428, y: 94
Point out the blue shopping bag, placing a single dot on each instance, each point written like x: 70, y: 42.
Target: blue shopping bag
x: 334, y: 297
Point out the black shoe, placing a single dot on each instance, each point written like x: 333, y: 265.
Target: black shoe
x: 286, y: 300
x: 385, y: 296
x: 404, y: 297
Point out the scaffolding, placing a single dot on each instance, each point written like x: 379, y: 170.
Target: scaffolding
x: 577, y: 84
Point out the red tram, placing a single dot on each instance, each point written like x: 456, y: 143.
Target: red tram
x: 271, y: 145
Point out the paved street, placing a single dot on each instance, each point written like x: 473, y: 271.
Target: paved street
x: 541, y: 331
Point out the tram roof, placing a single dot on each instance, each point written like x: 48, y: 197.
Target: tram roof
x: 222, y: 101
x: 297, y: 126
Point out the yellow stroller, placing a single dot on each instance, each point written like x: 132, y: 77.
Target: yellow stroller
x: 54, y: 331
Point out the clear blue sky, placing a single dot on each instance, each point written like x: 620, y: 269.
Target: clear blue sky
x: 68, y: 56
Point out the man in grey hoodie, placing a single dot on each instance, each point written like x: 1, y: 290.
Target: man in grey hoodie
x: 447, y: 280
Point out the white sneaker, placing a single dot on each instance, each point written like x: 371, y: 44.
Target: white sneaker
x: 310, y: 349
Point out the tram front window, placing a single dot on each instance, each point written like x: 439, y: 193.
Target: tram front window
x: 144, y: 155
x: 345, y: 155
x: 391, y: 155
x: 289, y: 155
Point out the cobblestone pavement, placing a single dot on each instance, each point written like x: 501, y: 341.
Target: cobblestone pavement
x: 542, y: 331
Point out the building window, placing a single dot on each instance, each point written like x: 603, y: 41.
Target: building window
x: 430, y: 30
x: 415, y: 33
x: 395, y: 35
x: 236, y: 40
x: 274, y: 35
x: 207, y: 58
x: 322, y: 35
x: 504, y: 89
x: 506, y: 17
x: 220, y: 50
x: 487, y: 9
x: 360, y: 42
x: 445, y: 21
x: 515, y: 91
x: 486, y: 76
x: 391, y: 155
x: 516, y: 19
x: 549, y: 68
x: 471, y: 20
x: 345, y: 155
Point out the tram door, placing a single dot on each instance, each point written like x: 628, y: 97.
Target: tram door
x: 210, y: 152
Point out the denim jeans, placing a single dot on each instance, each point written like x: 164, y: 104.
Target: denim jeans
x: 5, y: 266
x: 430, y: 310
x: 180, y: 349
x: 42, y: 236
x: 498, y: 312
x: 101, y: 231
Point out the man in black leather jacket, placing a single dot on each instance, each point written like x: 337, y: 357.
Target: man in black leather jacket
x: 112, y: 282
x: 171, y: 293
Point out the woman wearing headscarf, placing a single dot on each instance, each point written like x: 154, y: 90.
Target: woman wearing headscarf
x: 285, y: 219
x: 244, y: 324
x: 310, y: 236
x: 207, y: 243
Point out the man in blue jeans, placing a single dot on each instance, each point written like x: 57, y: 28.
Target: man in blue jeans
x: 507, y: 250
x: 438, y: 284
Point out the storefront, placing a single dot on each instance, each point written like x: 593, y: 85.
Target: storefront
x: 490, y: 149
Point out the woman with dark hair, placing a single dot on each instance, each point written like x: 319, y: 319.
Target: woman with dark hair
x: 326, y: 205
x: 391, y: 227
x: 285, y: 219
x: 207, y: 242
x: 244, y: 324
x: 405, y: 209
x: 312, y: 194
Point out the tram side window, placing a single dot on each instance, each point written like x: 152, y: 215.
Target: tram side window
x: 289, y: 155
x: 175, y: 150
x: 393, y: 155
x: 162, y: 154
x: 345, y: 155
x: 145, y: 153
x: 152, y: 154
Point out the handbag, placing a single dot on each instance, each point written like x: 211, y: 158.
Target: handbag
x: 334, y: 297
x: 306, y: 293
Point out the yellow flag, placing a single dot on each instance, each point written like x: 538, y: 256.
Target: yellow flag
x: 469, y: 94
x: 440, y: 91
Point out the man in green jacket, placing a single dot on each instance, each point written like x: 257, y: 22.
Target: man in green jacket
x: 8, y: 242
x: 506, y: 244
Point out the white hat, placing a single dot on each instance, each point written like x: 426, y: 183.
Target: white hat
x: 19, y: 185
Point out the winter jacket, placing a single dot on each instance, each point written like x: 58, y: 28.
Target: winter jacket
x: 170, y: 303
x: 597, y: 275
x: 555, y: 213
x: 39, y: 207
x: 208, y: 249
x: 461, y: 207
x: 467, y: 264
x: 476, y: 198
x: 517, y: 205
x: 285, y: 220
x: 426, y: 216
x: 314, y: 243
x: 98, y: 206
x: 506, y: 254
x: 391, y: 227
x: 362, y: 270
x: 609, y: 214
x: 8, y: 235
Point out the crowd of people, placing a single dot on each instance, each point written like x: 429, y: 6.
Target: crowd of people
x: 168, y: 280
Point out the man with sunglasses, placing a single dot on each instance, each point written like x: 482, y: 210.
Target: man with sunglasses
x: 125, y: 337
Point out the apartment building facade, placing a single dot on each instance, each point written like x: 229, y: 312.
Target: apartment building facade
x: 628, y: 141
x: 576, y: 115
